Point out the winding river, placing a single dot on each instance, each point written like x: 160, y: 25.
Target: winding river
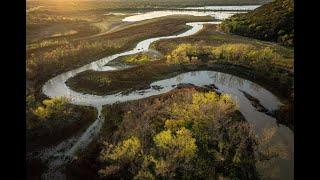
x: 61, y: 154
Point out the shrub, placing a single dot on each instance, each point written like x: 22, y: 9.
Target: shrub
x: 52, y: 107
x: 124, y: 151
x: 140, y: 58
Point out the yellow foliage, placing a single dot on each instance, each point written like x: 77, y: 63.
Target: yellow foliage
x: 137, y: 59
x: 41, y: 112
x: 239, y: 53
x: 174, y: 124
x: 164, y: 139
x: 125, y: 150
x: 181, y: 145
x: 180, y: 54
x: 54, y: 105
x: 186, y: 142
x: 204, y: 106
x: 204, y: 98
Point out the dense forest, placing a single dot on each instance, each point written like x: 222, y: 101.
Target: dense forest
x: 271, y: 22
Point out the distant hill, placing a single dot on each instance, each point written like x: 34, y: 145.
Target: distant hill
x: 271, y: 22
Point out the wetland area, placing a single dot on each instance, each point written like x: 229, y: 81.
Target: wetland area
x: 155, y: 93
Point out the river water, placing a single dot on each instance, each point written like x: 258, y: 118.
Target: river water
x: 218, y: 12
x: 59, y: 155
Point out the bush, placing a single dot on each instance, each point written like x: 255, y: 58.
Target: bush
x: 140, y: 58
x: 52, y: 107
x: 124, y: 151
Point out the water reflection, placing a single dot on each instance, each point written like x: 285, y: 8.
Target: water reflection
x: 228, y: 81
